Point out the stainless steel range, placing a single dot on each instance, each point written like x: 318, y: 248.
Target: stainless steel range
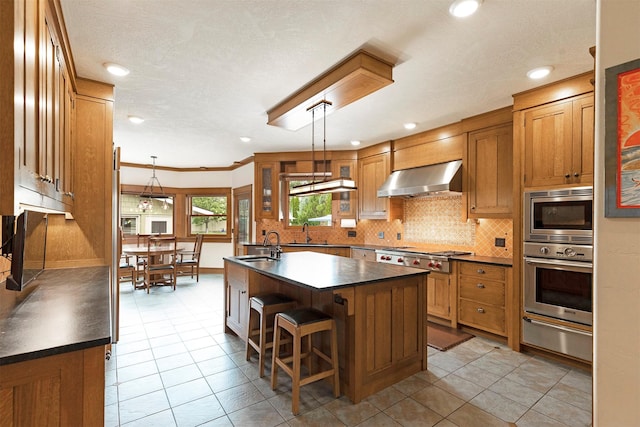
x: 411, y: 257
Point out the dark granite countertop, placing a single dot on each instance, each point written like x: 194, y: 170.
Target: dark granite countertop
x: 324, y: 272
x: 68, y: 310
x: 508, y: 262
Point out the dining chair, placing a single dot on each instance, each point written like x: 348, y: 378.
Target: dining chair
x: 160, y: 263
x: 188, y: 262
x: 127, y: 267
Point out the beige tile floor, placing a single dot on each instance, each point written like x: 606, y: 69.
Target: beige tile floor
x: 174, y: 366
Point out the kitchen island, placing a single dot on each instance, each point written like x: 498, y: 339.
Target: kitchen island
x: 379, y: 310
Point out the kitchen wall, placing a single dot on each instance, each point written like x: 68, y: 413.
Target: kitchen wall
x: 616, y: 365
x: 430, y: 223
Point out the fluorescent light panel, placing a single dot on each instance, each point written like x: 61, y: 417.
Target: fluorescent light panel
x: 334, y: 186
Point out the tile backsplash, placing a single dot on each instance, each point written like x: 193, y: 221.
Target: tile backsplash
x: 430, y: 223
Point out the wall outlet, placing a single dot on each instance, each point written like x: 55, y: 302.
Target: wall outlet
x: 500, y: 242
x: 381, y: 235
x: 264, y: 232
x: 398, y: 236
x: 351, y: 233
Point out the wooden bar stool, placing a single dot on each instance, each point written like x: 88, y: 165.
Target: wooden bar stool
x: 265, y: 306
x: 300, y: 323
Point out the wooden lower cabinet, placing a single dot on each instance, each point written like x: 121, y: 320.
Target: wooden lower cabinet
x: 237, y: 299
x: 439, y: 295
x: 345, y: 252
x: 483, y: 295
x: 61, y: 390
x: 365, y: 254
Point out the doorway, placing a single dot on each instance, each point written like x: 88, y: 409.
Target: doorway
x: 242, y: 218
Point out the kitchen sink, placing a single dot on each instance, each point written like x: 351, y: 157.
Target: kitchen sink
x: 254, y: 258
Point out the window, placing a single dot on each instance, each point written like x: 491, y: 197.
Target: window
x: 157, y: 217
x: 314, y: 209
x: 209, y: 214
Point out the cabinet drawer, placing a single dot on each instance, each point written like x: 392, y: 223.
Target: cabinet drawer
x: 483, y: 316
x: 491, y: 272
x: 485, y: 291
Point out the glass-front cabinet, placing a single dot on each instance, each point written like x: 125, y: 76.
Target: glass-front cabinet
x: 267, y: 190
x: 344, y: 204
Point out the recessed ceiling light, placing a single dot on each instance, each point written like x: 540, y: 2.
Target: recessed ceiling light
x: 463, y: 8
x: 355, y: 142
x: 409, y: 126
x: 115, y: 69
x: 245, y: 139
x: 540, y: 72
x: 135, y: 119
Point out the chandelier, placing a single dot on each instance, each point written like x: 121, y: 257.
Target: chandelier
x: 338, y: 185
x: 147, y: 195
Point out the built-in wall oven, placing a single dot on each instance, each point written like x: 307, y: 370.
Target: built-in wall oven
x: 558, y: 271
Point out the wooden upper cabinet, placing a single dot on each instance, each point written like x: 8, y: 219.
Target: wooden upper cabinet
x: 490, y: 172
x: 266, y: 175
x: 558, y: 143
x: 372, y: 172
x: 37, y: 132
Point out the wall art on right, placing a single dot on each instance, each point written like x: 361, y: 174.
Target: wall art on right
x: 622, y: 140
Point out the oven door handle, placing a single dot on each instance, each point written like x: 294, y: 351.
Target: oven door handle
x: 562, y: 328
x: 558, y: 263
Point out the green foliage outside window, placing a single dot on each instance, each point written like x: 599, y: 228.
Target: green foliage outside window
x: 304, y: 208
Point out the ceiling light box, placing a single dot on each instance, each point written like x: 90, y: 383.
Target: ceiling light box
x: 356, y: 77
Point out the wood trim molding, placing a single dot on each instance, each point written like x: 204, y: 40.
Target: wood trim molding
x: 562, y: 89
x: 234, y: 166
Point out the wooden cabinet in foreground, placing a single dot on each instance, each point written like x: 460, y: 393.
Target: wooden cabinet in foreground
x: 61, y: 390
x: 439, y: 295
x: 237, y: 303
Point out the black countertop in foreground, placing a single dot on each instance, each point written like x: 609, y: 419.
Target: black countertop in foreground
x: 325, y: 272
x: 67, y: 310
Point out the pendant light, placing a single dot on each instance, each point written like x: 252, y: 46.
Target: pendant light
x: 338, y: 185
x: 147, y: 195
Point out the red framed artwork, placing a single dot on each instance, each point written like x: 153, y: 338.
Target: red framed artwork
x: 622, y: 140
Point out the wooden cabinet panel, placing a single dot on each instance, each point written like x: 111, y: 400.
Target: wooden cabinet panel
x: 490, y: 173
x: 438, y: 295
x: 365, y: 254
x: 61, y: 390
x: 482, y: 290
x: 372, y: 172
x: 484, y: 297
x: 558, y: 147
x: 237, y: 283
x: 483, y: 316
x: 483, y: 271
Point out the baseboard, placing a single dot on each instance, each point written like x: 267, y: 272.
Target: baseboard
x: 211, y: 270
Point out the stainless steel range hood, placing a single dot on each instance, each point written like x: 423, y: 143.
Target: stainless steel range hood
x: 432, y: 180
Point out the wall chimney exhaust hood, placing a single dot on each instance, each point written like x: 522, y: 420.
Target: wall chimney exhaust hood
x: 432, y: 180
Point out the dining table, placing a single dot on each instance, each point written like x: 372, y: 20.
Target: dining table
x: 153, y: 251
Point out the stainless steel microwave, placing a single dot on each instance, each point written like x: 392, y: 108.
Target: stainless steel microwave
x: 563, y: 215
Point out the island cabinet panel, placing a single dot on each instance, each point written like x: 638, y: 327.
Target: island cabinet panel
x: 237, y: 303
x: 61, y: 390
x: 389, y: 335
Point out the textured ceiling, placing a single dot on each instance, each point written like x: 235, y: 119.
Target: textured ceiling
x: 204, y: 72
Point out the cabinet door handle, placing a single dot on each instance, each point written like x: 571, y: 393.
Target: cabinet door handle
x: 576, y: 174
x: 243, y: 292
x: 480, y: 285
x: 480, y: 271
x: 480, y: 310
x: 567, y: 175
x: 473, y: 208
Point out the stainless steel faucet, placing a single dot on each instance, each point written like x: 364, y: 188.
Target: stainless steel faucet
x: 277, y: 251
x: 305, y: 228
